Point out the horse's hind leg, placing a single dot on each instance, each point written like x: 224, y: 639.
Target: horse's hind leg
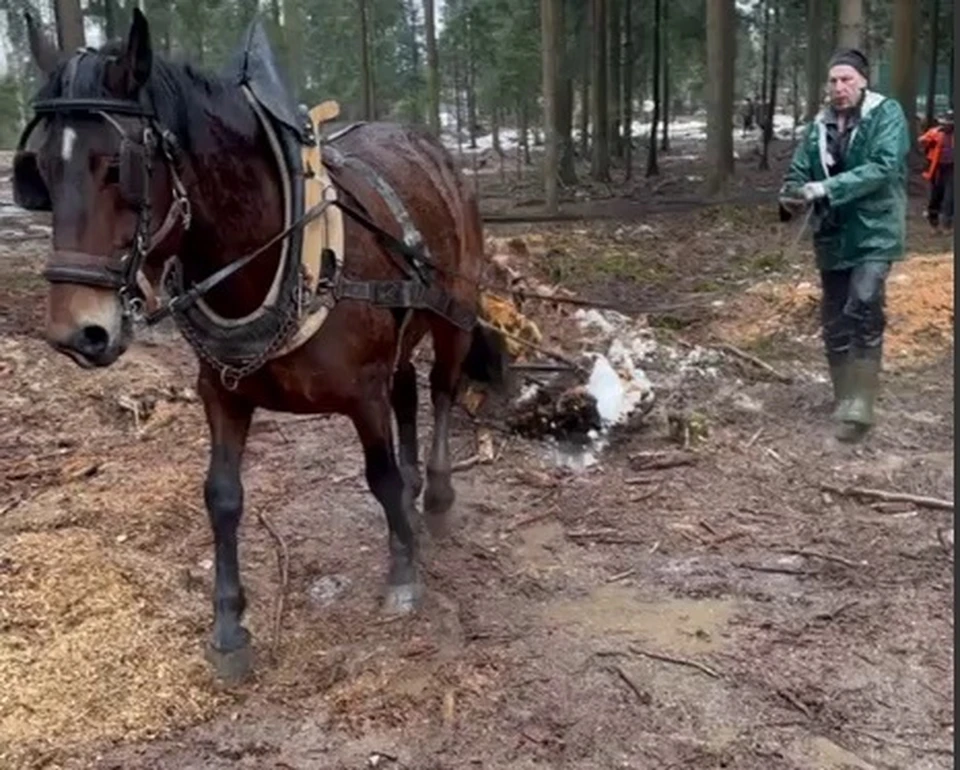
x: 403, y: 399
x: 372, y: 420
x: 450, y: 349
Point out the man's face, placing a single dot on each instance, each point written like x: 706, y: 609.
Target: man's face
x: 845, y: 85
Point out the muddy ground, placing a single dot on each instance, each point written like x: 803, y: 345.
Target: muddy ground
x: 723, y: 614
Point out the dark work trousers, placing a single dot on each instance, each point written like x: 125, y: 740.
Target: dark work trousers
x: 940, y: 206
x: 852, y: 311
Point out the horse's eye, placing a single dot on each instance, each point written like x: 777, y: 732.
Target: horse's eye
x: 113, y: 173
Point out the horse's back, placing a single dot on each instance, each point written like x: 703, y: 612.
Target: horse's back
x: 422, y: 174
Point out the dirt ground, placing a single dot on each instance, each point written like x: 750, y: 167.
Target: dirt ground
x: 728, y: 613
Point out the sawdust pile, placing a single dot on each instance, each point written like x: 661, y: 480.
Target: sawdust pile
x: 89, y: 651
x: 919, y: 311
x: 100, y: 630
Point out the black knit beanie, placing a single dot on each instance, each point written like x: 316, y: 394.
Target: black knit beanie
x: 853, y: 58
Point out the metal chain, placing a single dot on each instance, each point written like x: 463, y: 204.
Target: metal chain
x: 230, y: 375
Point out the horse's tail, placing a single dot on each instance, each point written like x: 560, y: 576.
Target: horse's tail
x: 487, y: 359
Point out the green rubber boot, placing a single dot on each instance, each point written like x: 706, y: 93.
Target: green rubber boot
x: 840, y: 368
x: 856, y: 414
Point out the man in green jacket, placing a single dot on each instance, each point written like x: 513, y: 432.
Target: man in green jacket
x: 851, y: 167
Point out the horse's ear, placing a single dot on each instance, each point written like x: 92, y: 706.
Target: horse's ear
x: 45, y: 53
x: 138, y: 56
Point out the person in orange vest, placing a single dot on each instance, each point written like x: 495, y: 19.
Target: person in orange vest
x: 938, y: 144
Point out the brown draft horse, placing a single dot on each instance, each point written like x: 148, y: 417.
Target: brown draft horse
x: 358, y: 364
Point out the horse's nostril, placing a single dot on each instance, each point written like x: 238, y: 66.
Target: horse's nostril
x: 93, y: 340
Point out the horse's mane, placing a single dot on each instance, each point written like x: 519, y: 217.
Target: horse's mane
x: 187, y: 101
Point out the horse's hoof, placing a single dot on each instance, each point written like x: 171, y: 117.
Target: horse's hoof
x: 440, y: 495
x: 439, y: 525
x: 231, y: 666
x: 402, y: 599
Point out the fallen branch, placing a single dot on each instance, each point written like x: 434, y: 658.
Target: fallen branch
x: 795, y: 702
x: 945, y: 750
x: 773, y: 570
x: 622, y: 575
x: 533, y: 346
x: 643, y: 697
x: 759, y: 363
x: 530, y: 520
x: 283, y: 568
x: 677, y: 661
x: 825, y: 557
x: 651, y: 461
x: 890, y: 497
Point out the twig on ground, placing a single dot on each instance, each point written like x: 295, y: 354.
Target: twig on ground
x: 650, y: 461
x: 677, y: 661
x: 824, y: 557
x: 530, y: 520
x: 795, y: 702
x: 942, y: 750
x: 759, y: 363
x: 465, y: 465
x: 890, y: 497
x: 754, y: 438
x: 642, y: 697
x: 605, y: 537
x: 773, y: 453
x: 622, y: 575
x: 773, y: 570
x: 283, y: 568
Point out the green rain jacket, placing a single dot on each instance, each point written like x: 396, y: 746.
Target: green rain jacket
x: 864, y: 217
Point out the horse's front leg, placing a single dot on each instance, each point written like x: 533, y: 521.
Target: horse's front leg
x: 229, y: 420
x: 371, y: 416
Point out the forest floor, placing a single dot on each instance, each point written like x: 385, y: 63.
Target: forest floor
x: 727, y: 613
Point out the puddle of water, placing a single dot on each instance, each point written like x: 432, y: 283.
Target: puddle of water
x: 680, y: 625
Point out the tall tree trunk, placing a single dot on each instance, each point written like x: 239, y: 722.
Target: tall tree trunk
x: 110, y: 13
x: 665, y: 67
x: 433, y: 67
x: 584, y: 39
x: 814, y: 58
x: 568, y: 171
x: 721, y: 55
x: 850, y: 34
x: 458, y: 98
x: 934, y: 56
x: 69, y: 17
x: 471, y: 79
x: 764, y: 67
x: 293, y: 27
x: 950, y: 90
x: 366, y: 66
x: 904, y: 80
x: 525, y: 132
x: 629, y: 62
x: 774, y: 78
x: 652, y: 167
x: 600, y: 159
x: 795, y: 91
x: 614, y: 72
x: 550, y: 11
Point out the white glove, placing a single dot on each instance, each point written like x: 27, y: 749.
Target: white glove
x: 812, y: 191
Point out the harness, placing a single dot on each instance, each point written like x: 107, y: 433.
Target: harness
x: 122, y: 272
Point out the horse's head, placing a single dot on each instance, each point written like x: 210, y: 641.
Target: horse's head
x: 95, y: 156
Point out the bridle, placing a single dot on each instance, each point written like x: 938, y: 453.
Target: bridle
x: 120, y: 271
x: 136, y: 163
